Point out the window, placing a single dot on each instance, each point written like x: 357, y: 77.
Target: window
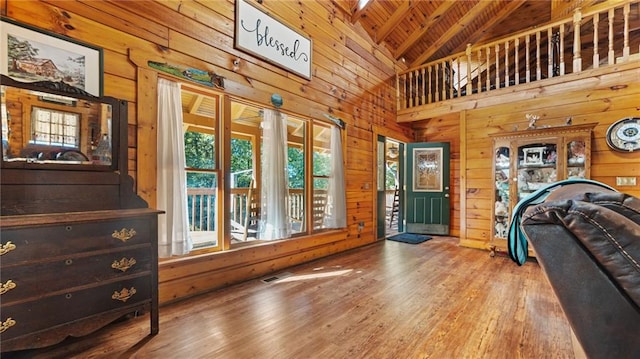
x: 308, y: 165
x: 200, y: 123
x: 305, y: 171
x: 321, y: 172
x: 55, y: 128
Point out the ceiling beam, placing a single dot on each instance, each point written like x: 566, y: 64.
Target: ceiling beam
x: 453, y: 31
x: 398, y: 15
x: 237, y: 110
x: 424, y: 27
x: 344, y: 5
x: 195, y: 103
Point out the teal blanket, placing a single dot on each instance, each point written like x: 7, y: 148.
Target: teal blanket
x: 517, y: 241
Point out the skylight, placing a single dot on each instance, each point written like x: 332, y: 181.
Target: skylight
x: 362, y: 4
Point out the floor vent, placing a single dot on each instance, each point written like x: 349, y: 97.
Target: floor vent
x: 274, y: 278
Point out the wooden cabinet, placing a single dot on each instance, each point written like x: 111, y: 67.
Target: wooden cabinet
x: 78, y: 246
x: 68, y: 274
x: 525, y: 161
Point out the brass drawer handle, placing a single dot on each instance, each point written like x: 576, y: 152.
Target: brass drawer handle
x: 124, y: 264
x: 5, y: 287
x: 7, y: 247
x: 7, y: 324
x: 124, y: 234
x: 124, y: 294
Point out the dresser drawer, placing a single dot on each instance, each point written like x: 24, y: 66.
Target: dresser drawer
x: 34, y: 243
x: 29, y: 317
x: 21, y: 282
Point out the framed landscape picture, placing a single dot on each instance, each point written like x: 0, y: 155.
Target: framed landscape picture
x: 30, y: 54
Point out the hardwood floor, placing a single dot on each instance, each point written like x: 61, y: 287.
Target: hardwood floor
x: 386, y: 300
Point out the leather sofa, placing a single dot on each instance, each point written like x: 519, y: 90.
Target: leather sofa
x: 586, y: 238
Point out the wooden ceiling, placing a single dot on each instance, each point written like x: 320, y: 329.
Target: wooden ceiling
x: 420, y: 31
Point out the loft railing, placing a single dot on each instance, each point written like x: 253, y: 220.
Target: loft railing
x: 597, y: 38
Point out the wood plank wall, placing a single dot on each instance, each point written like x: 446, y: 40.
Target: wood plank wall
x: 600, y: 96
x: 353, y: 78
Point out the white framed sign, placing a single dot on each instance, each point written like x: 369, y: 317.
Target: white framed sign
x: 263, y: 36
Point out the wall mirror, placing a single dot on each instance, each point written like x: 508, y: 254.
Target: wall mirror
x: 51, y: 125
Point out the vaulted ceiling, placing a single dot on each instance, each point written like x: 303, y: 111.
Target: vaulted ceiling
x: 419, y: 31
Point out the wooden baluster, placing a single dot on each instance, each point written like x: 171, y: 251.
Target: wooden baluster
x: 424, y: 85
x: 527, y: 70
x: 193, y: 211
x: 516, y: 68
x: 469, y: 69
x: 209, y: 209
x: 625, y: 49
x: 488, y: 78
x: 416, y: 88
x: 577, y: 59
x: 398, y: 93
x: 596, y: 56
x: 497, y: 66
x: 611, y: 54
x: 444, y: 80
x: 430, y: 92
x: 201, y: 212
x: 410, y: 90
x: 437, y: 75
x: 419, y: 87
x: 428, y: 84
x: 506, y: 64
x: 561, y: 49
x: 550, y: 56
x: 447, y: 78
x: 480, y: 62
x: 538, y: 65
x: 454, y: 75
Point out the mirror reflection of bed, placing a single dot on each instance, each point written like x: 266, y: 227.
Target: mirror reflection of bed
x: 40, y: 127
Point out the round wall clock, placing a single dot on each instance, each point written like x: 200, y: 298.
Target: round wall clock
x: 624, y: 134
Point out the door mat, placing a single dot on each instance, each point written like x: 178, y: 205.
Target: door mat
x: 413, y: 238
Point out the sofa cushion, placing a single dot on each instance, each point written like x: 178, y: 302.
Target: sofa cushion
x: 606, y: 223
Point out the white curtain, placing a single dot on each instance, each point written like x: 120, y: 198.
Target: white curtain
x: 336, y: 212
x: 173, y: 226
x: 274, y: 220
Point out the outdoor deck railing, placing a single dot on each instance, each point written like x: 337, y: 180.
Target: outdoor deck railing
x: 597, y: 38
x: 202, y: 207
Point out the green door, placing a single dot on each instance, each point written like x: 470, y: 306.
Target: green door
x: 427, y: 191
x: 380, y: 193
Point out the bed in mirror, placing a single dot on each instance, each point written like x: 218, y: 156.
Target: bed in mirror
x: 51, y: 125
x: 63, y: 150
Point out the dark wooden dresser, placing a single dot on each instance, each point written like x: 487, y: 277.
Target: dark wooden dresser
x: 78, y: 246
x: 68, y: 274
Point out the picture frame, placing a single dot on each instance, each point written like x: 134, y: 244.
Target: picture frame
x: 427, y: 170
x: 30, y: 54
x: 263, y: 36
x: 533, y: 156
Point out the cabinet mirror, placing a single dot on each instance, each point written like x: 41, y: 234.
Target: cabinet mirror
x: 51, y: 125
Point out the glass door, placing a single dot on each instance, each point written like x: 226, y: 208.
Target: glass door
x: 502, y: 174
